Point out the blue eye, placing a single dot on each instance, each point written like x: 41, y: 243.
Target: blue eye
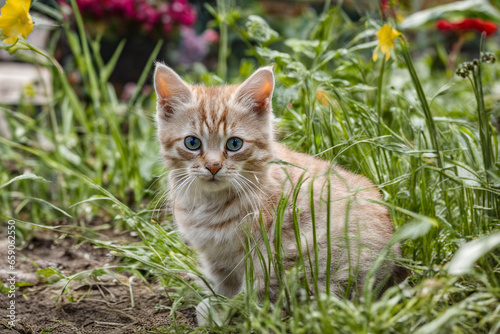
x: 192, y: 143
x: 234, y: 144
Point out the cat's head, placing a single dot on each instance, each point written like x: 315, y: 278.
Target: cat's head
x: 215, y: 136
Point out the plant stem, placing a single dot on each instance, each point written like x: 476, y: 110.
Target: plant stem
x: 380, y: 83
x: 484, y: 128
x: 326, y: 7
x: 75, y: 103
x: 223, y: 46
x: 454, y: 52
x: 423, y: 101
x: 94, y: 87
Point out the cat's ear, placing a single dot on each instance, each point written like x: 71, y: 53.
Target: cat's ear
x: 171, y: 90
x: 257, y: 91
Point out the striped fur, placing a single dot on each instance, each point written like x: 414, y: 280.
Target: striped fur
x: 213, y: 212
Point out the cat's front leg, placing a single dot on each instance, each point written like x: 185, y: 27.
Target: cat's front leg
x: 227, y: 281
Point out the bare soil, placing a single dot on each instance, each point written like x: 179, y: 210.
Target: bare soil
x: 107, y: 304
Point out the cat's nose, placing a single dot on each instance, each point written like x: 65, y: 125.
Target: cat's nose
x: 213, y: 167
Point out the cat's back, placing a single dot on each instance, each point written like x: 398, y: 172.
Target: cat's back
x: 354, y: 207
x: 348, y: 191
x: 297, y: 164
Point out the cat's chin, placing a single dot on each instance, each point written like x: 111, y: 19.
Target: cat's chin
x: 217, y: 184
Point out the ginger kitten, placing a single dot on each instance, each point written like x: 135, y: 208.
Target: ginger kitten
x: 217, y: 143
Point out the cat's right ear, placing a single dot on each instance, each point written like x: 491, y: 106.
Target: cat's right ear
x: 171, y: 90
x: 257, y: 91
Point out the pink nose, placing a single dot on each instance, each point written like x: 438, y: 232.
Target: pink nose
x: 213, y: 168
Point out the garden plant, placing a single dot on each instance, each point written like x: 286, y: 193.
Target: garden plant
x: 409, y: 99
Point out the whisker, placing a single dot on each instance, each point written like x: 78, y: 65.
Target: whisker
x: 255, y: 190
x: 251, y: 172
x: 250, y: 195
x: 239, y: 190
x: 164, y: 192
x: 159, y: 177
x: 176, y: 189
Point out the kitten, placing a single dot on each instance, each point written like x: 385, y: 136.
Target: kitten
x: 217, y: 143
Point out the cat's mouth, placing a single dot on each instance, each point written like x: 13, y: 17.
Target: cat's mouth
x: 215, y: 182
x: 212, y: 179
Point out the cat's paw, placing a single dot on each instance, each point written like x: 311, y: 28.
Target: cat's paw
x: 209, y: 313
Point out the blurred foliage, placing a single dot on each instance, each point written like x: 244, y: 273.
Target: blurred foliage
x: 425, y: 136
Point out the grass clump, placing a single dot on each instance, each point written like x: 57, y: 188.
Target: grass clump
x: 417, y: 134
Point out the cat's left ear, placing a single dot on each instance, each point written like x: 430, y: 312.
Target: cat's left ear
x: 171, y: 90
x: 257, y: 91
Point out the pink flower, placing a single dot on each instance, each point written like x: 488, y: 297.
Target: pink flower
x: 211, y: 36
x: 162, y: 16
x: 166, y: 20
x: 194, y: 47
x: 147, y: 15
x: 181, y: 12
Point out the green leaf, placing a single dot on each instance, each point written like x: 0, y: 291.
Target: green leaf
x: 98, y: 272
x: 308, y: 48
x: 49, y: 204
x: 441, y: 91
x: 23, y: 284
x: 437, y: 324
x: 274, y: 56
x: 259, y: 30
x: 321, y: 76
x: 24, y: 177
x: 47, y: 10
x: 467, y: 255
x: 288, y: 81
x: 47, y: 272
x: 145, y: 73
x: 70, y: 155
x: 110, y: 66
x: 415, y: 229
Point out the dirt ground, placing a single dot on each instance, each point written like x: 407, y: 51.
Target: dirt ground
x: 102, y: 305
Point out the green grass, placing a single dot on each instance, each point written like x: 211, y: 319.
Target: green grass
x: 424, y: 137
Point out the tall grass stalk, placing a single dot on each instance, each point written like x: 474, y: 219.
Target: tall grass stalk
x: 438, y: 201
x: 380, y: 88
x: 484, y: 123
x: 222, y: 12
x: 433, y: 133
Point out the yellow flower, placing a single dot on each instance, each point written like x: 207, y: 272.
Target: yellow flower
x: 15, y: 20
x: 322, y: 97
x: 386, y: 36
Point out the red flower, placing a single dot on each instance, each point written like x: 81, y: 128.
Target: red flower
x: 181, y: 12
x: 163, y: 15
x: 387, y: 7
x: 466, y: 25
